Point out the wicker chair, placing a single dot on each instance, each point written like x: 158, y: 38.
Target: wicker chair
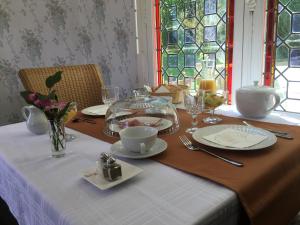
x: 79, y: 83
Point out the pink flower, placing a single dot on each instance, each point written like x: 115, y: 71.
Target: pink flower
x: 47, y: 108
x: 38, y: 103
x: 61, y: 105
x: 55, y: 105
x: 32, y: 97
x: 42, y: 103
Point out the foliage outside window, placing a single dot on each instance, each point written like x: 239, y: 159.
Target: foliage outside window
x: 194, y: 41
x: 283, y: 52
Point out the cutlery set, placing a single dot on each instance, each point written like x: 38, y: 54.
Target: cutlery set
x: 187, y: 143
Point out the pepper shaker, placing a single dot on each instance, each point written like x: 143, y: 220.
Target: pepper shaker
x: 112, y: 170
x: 104, y: 156
x: 102, y: 160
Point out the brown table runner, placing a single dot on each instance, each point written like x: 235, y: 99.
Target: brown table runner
x: 268, y: 185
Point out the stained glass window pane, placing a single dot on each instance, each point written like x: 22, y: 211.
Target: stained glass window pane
x: 172, y: 37
x: 194, y: 40
x: 210, y: 33
x: 280, y: 7
x: 210, y: 7
x: 189, y: 36
x: 189, y: 60
x: 190, y: 9
x: 283, y: 67
x: 173, y: 60
x: 296, y: 23
x: 173, y: 13
x: 295, y: 58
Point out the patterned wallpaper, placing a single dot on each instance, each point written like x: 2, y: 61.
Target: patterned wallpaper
x: 35, y: 33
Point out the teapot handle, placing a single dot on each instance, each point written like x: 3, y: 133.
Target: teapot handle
x: 277, y: 101
x: 25, y: 111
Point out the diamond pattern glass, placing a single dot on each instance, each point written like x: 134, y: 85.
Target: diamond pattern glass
x: 282, y: 68
x: 193, y: 45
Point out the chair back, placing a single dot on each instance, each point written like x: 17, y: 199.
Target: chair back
x: 79, y: 83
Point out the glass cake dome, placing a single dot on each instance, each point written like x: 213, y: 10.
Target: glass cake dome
x: 141, y: 111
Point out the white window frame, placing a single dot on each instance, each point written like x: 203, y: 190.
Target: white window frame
x: 248, y: 51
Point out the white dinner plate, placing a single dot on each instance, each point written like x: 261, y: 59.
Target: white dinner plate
x: 159, y: 146
x: 100, y: 110
x: 97, y: 179
x: 201, y: 132
x: 162, y: 125
x: 97, y: 110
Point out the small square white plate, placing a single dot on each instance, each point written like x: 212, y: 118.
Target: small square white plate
x: 97, y: 179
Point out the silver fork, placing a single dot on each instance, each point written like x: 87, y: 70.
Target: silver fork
x: 191, y: 147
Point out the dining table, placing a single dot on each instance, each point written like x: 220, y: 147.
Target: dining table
x: 40, y: 189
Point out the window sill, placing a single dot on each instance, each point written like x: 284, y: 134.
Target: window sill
x: 274, y: 117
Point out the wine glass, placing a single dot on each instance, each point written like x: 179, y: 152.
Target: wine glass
x: 212, y: 101
x: 70, y: 114
x: 110, y: 95
x: 194, y: 105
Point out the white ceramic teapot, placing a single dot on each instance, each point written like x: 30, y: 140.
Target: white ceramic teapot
x: 256, y: 101
x: 36, y: 120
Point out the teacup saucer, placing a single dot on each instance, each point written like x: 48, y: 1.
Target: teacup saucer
x: 159, y: 146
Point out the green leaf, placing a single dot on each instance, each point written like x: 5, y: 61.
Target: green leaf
x: 52, y: 80
x: 41, y: 96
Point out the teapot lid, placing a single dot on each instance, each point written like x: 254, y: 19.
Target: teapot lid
x: 256, y: 88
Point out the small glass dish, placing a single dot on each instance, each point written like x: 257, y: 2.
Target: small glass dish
x: 141, y: 111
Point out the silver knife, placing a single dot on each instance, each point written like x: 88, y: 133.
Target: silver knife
x: 280, y: 134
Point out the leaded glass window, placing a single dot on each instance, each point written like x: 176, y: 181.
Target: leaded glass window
x: 195, y: 41
x: 283, y: 52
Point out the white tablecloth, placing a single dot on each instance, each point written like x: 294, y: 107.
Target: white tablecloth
x: 41, y: 190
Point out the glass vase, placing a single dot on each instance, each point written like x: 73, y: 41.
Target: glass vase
x: 57, y: 138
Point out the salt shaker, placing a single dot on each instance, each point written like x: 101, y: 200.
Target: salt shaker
x: 112, y: 170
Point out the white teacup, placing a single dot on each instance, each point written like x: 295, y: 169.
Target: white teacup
x: 138, y: 139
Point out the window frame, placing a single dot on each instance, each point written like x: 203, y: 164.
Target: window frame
x: 248, y: 38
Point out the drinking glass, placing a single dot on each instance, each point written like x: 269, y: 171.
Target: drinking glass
x: 209, y: 85
x: 70, y: 114
x: 212, y: 101
x: 194, y: 105
x: 110, y: 95
x: 141, y: 93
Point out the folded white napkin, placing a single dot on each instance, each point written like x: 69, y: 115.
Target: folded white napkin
x: 235, y: 138
x: 98, y: 110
